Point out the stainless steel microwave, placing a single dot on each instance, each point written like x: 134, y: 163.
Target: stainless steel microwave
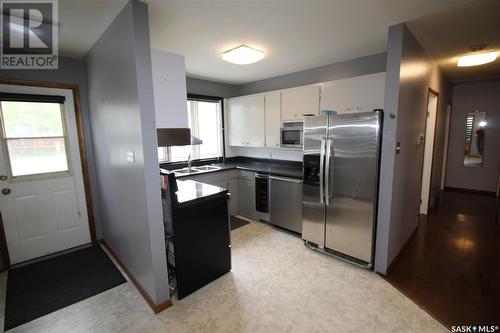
x: 291, y: 135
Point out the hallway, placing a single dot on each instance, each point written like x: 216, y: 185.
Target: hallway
x: 451, y: 265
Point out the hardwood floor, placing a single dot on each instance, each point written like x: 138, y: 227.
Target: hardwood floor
x: 451, y: 265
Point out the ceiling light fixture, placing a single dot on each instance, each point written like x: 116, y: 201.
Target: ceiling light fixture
x: 477, y: 59
x: 243, y: 55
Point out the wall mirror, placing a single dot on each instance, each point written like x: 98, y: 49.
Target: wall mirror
x: 475, y: 137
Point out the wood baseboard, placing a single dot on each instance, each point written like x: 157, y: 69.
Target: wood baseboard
x: 466, y: 190
x: 155, y: 307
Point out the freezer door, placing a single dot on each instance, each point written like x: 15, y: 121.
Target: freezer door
x: 313, y: 208
x: 352, y: 176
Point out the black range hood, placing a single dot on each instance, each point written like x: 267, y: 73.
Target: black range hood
x: 168, y: 137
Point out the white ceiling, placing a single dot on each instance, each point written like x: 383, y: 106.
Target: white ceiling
x: 295, y: 34
x: 449, y: 35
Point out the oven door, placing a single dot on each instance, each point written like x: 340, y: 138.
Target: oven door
x: 291, y: 138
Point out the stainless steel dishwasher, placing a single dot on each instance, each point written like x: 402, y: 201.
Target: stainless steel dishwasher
x: 286, y: 203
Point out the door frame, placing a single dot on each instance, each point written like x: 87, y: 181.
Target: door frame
x: 430, y: 91
x: 4, y: 251
x: 449, y: 109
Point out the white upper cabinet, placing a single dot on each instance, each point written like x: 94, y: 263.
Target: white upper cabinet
x: 373, y: 93
x: 357, y: 94
x: 297, y: 102
x: 169, y: 88
x: 273, y: 118
x: 255, y: 120
x: 246, y: 117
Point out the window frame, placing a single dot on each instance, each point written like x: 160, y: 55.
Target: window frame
x: 201, y: 98
x: 65, y: 136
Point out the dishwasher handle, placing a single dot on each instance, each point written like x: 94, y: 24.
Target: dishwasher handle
x: 286, y: 179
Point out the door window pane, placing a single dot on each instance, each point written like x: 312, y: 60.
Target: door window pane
x: 36, y: 156
x: 32, y: 119
x: 34, y: 136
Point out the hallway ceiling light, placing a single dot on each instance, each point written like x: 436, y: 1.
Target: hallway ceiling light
x: 243, y: 55
x: 476, y: 59
x: 482, y: 123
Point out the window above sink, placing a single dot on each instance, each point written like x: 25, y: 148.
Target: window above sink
x: 205, y: 121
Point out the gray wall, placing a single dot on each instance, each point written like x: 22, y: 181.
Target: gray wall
x: 211, y: 88
x: 481, y: 96
x: 370, y: 64
x: 374, y: 63
x: 123, y: 119
x: 410, y: 72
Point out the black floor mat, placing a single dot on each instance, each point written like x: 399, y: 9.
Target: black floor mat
x: 236, y: 222
x: 43, y: 287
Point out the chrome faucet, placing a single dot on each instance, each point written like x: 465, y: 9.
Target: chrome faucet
x: 189, y: 162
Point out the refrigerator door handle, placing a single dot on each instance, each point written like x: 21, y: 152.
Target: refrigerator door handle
x: 321, y: 171
x: 328, y: 170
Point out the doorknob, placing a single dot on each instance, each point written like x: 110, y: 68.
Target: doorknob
x: 5, y: 191
x: 3, y: 177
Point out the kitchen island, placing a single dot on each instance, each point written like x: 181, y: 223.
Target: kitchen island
x: 197, y: 234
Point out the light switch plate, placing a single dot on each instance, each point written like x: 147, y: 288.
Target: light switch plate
x: 130, y: 156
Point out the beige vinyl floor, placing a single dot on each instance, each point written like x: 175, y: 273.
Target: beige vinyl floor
x: 276, y: 285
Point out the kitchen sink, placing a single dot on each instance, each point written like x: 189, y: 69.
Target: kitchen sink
x: 207, y: 168
x: 197, y: 169
x: 186, y: 171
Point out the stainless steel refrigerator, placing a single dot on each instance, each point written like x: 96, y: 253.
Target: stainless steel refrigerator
x: 340, y: 184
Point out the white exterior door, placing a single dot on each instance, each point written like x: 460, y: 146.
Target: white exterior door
x: 42, y: 198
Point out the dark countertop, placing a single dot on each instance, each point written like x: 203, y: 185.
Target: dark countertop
x: 282, y: 168
x: 190, y: 191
